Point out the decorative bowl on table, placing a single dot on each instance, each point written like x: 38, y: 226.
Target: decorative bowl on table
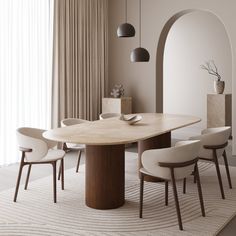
x: 131, y: 119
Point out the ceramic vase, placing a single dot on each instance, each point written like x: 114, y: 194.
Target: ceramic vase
x: 219, y: 86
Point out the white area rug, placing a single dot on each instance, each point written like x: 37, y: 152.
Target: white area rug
x: 36, y: 214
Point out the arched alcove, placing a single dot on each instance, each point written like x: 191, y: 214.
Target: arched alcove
x: 189, y: 39
x: 160, y: 56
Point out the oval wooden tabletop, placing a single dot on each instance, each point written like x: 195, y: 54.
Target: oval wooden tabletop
x: 115, y: 131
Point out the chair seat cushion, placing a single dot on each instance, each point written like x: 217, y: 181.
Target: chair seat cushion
x: 53, y: 155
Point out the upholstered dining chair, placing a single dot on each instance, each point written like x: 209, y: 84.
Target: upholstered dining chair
x: 72, y: 146
x: 171, y: 164
x: 213, y: 144
x: 38, y: 150
x: 108, y: 115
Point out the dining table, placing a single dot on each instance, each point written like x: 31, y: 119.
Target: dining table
x: 105, y: 150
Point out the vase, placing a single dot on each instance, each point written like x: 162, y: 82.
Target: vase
x: 219, y: 86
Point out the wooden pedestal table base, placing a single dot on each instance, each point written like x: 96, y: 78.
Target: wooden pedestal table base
x: 157, y: 142
x: 105, y: 176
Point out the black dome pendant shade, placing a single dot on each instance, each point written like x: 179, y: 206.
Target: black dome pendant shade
x: 139, y: 54
x: 126, y: 29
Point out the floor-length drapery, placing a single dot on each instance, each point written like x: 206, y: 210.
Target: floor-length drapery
x: 25, y: 70
x: 79, y: 59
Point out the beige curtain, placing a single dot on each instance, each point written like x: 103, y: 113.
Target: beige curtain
x: 79, y: 59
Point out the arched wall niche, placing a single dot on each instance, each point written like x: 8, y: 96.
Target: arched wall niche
x: 163, y: 52
x: 160, y: 57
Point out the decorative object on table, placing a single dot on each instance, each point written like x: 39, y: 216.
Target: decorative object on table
x: 117, y: 91
x: 211, y: 68
x: 139, y: 54
x: 131, y: 119
x: 117, y: 105
x: 126, y: 29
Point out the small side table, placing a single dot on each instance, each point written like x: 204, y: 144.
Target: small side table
x: 219, y: 110
x: 117, y: 105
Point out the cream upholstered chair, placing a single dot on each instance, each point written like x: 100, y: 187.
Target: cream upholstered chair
x: 171, y: 164
x: 73, y: 146
x: 213, y: 144
x: 37, y: 150
x: 108, y: 115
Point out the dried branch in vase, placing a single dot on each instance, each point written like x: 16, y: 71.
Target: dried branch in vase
x: 211, y: 68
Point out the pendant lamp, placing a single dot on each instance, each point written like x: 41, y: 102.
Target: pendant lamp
x: 125, y: 29
x: 139, y: 54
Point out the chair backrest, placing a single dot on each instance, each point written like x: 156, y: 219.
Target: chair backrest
x: 32, y: 138
x: 69, y: 122
x: 72, y: 121
x: 213, y: 137
x: 108, y: 115
x: 183, y: 151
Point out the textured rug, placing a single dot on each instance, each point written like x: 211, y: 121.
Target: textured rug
x: 36, y: 214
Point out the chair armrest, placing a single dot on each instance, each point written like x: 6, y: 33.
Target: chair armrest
x: 22, y: 149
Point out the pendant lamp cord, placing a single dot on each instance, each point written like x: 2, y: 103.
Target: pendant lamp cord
x: 126, y: 11
x: 139, y: 23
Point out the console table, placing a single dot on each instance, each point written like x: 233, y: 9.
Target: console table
x: 105, y: 150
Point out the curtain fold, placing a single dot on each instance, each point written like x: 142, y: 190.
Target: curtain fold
x: 79, y: 59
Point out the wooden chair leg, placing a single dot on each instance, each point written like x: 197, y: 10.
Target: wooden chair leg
x: 54, y: 166
x: 176, y: 199
x: 65, y: 148
x: 59, y: 172
x: 62, y: 173
x: 166, y: 193
x: 141, y: 196
x: 200, y: 191
x: 218, y: 173
x: 77, y: 167
x: 28, y: 175
x: 19, y: 177
x: 227, y: 169
x: 194, y: 176
x: 184, y: 186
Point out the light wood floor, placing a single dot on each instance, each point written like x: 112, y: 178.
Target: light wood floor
x: 8, y: 176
